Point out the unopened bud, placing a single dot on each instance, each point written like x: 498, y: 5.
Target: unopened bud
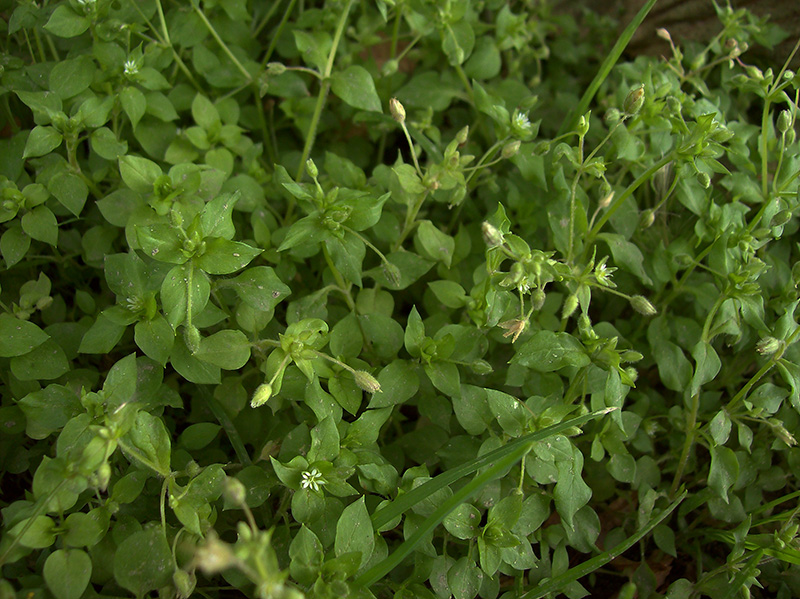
x: 390, y: 67
x: 481, y: 367
x: 606, y: 201
x: 643, y: 306
x: 784, y: 121
x: 583, y: 125
x: 312, y: 169
x: 262, y: 394
x: 634, y: 101
x: 235, y: 491
x: 570, y: 305
x: 214, y: 555
x: 397, y: 110
x: 755, y: 72
x: 537, y: 298
x: 510, y: 149
x: 392, y: 273
x: 630, y: 355
x: 491, y: 235
x: 768, y: 346
x: 184, y: 583
x: 663, y: 34
x: 461, y: 136
x: 191, y: 336
x: 366, y: 381
x: 275, y: 68
x: 647, y: 218
x: 704, y: 180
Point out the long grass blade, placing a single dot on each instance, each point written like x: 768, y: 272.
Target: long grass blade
x: 558, y: 583
x: 571, y: 120
x: 408, y: 500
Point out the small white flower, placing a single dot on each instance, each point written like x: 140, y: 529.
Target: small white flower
x: 521, y: 121
x: 312, y: 479
x: 130, y: 67
x: 134, y: 303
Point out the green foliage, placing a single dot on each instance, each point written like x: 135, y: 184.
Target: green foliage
x: 394, y: 299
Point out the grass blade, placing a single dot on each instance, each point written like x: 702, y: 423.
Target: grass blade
x: 559, y: 582
x: 408, y: 500
x: 605, y: 68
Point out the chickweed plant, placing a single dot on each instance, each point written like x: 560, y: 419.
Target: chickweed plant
x: 394, y: 299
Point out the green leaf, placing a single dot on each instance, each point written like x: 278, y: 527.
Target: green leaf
x: 434, y: 244
x: 41, y: 224
x: 134, y: 104
x: 45, y: 362
x: 67, y: 573
x: 228, y: 349
x: 14, y: 244
x: 399, y: 382
x: 260, y: 288
x: 106, y: 144
x: 64, y: 22
x: 71, y: 76
x: 49, y: 409
x: 41, y: 141
x: 407, y: 267
x: 463, y: 522
x: 148, y: 443
x: 18, y: 337
x: 724, y: 471
x: 445, y: 377
x: 415, y: 333
x: 174, y: 292
x: 626, y: 255
x: 70, y: 190
x: 143, y: 562
x: 155, y: 338
x: 458, y: 42
x: 547, y: 351
x: 354, y: 532
x: 139, y: 173
x: 216, y: 217
x: 570, y: 492
x: 205, y: 113
x: 707, y: 365
x: 223, y: 257
x: 355, y: 86
x: 102, y: 336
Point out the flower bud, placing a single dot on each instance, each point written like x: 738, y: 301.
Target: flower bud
x: 261, y: 395
x: 275, y: 68
x: 397, y: 110
x: 583, y: 125
x: 647, y: 218
x: 461, y: 136
x: 312, y: 169
x: 481, y: 367
x: 768, y: 346
x: 390, y: 67
x: 704, y: 180
x: 784, y: 121
x: 754, y: 72
x: 392, y: 273
x: 491, y: 235
x: 606, y: 200
x: 570, y: 305
x: 612, y: 115
x: 634, y: 101
x: 537, y: 298
x: 184, y: 583
x: 630, y: 355
x: 366, y: 381
x: 191, y: 336
x: 643, y: 306
x: 235, y: 491
x: 214, y: 555
x: 663, y: 34
x: 510, y: 149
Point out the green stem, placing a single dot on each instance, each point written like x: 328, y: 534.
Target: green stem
x: 323, y: 91
x: 411, y: 217
x: 337, y: 276
x: 763, y: 144
x: 227, y: 424
x: 617, y: 203
x: 278, y: 31
x: 221, y: 43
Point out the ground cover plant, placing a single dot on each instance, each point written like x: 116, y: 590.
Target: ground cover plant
x: 407, y: 298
